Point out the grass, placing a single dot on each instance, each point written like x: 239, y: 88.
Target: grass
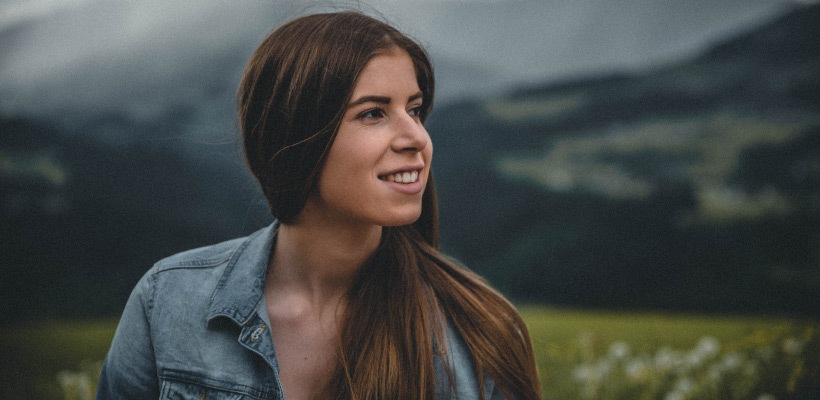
x: 34, y: 354
x: 564, y: 340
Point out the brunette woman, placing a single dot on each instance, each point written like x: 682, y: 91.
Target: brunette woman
x: 345, y: 295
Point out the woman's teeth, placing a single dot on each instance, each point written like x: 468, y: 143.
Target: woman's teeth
x: 402, y: 177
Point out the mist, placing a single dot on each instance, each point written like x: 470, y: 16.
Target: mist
x: 61, y: 58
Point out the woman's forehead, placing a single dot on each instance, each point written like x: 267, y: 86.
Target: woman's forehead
x: 390, y: 75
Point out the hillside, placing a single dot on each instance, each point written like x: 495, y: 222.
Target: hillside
x: 693, y: 185
x: 82, y: 221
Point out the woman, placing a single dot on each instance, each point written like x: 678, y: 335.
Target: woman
x: 346, y: 295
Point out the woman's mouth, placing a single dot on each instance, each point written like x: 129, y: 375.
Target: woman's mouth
x: 402, y: 177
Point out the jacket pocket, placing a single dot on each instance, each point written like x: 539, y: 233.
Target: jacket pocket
x: 172, y: 389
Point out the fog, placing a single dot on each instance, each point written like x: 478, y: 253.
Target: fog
x: 62, y: 55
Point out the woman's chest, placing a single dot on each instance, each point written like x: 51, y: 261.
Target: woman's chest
x: 306, y: 352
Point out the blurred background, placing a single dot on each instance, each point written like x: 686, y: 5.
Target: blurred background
x: 638, y: 155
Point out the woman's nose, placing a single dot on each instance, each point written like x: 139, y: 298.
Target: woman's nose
x: 410, y: 136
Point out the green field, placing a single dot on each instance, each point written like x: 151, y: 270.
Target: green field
x: 34, y: 354
x: 581, y: 354
x: 647, y: 355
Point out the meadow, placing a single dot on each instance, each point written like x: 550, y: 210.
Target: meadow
x: 627, y: 355
x: 581, y: 355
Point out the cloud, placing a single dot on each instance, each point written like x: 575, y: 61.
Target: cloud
x: 17, y: 12
x: 91, y: 52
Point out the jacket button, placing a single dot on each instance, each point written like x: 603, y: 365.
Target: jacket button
x: 257, y: 333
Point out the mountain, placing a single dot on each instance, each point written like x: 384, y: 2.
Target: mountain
x: 693, y: 186
x: 83, y: 220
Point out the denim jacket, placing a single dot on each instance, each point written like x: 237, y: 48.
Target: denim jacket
x: 196, y: 327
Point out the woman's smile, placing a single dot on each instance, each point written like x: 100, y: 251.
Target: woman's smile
x: 402, y: 177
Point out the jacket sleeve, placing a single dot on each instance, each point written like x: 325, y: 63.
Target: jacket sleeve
x: 129, y: 370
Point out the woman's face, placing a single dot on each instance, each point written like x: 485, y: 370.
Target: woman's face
x: 379, y: 163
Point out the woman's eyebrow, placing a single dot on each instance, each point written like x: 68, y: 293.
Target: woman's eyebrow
x: 369, y: 99
x: 381, y: 99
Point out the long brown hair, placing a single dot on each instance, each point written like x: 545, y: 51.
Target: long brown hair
x: 290, y: 103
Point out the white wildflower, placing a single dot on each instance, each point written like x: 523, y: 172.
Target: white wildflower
x: 619, y: 350
x: 793, y: 346
x: 666, y: 358
x: 693, y: 359
x: 766, y: 396
x: 637, y: 370
x: 603, y: 368
x: 732, y: 361
x: 76, y: 385
x: 583, y: 373
x: 708, y: 346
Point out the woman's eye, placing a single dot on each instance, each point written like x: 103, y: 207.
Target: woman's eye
x: 415, y: 111
x: 375, y: 113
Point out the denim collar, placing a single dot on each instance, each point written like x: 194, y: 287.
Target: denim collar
x: 242, y: 285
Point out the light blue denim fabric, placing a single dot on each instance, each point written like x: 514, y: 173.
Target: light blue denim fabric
x: 195, y: 327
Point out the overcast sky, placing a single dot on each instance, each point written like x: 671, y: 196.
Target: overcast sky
x: 479, y: 46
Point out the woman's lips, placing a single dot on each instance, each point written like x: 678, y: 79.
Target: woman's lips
x: 405, y: 182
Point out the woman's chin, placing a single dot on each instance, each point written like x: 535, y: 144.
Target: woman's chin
x: 401, y: 218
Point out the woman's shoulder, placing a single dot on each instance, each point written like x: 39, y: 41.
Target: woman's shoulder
x: 168, y: 327
x: 204, y: 256
x: 189, y: 272
x: 194, y: 276
x: 214, y: 255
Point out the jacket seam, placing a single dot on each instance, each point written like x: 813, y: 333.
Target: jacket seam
x: 192, y: 264
x: 180, y: 376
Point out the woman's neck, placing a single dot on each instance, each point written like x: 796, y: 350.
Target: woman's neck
x: 320, y: 260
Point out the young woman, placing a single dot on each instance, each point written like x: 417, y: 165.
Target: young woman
x: 346, y: 295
